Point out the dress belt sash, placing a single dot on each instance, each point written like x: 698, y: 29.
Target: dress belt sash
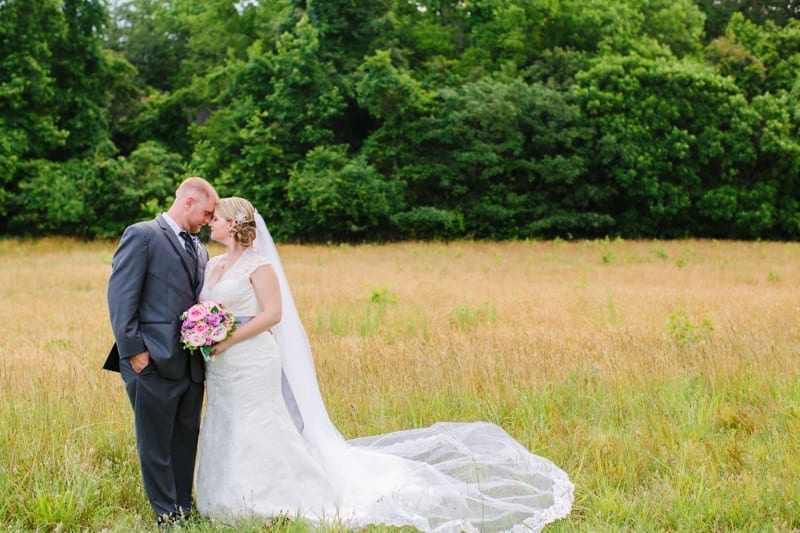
x: 242, y: 320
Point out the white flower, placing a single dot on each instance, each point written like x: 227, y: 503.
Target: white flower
x: 196, y: 339
x: 219, y: 334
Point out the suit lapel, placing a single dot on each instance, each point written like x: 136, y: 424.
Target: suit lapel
x: 188, y: 265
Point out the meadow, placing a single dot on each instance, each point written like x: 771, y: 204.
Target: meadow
x: 661, y: 375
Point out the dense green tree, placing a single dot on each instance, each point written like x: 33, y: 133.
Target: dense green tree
x: 28, y: 118
x: 735, y: 60
x: 719, y: 12
x: 334, y: 197
x: 425, y: 36
x: 677, y: 24
x: 28, y: 105
x: 277, y: 106
x: 215, y: 30
x: 356, y: 120
x: 304, y: 100
x: 54, y: 95
x: 389, y: 93
x: 498, y: 157
x: 667, y: 131
x: 428, y: 30
x: 81, y: 75
x: 175, y: 45
x: 504, y: 35
x: 398, y: 103
x: 348, y: 30
x: 592, y: 25
x: 764, y: 200
x: 53, y: 198
x: 762, y: 60
x: 148, y: 34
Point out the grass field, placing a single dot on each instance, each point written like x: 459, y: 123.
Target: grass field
x: 661, y: 375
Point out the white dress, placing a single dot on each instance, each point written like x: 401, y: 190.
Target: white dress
x: 253, y: 461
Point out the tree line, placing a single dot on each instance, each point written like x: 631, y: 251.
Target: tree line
x: 372, y: 120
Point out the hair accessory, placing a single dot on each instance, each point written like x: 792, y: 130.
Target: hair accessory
x: 240, y: 217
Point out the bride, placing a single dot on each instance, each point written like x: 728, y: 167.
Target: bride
x: 267, y: 446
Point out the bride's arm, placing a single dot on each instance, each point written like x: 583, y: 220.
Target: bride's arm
x: 268, y: 293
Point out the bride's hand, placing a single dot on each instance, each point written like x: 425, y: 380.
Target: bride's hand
x: 219, y: 348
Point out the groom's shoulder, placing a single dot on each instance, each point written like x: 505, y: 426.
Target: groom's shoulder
x: 145, y: 229
x: 145, y: 226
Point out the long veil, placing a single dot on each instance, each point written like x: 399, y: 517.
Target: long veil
x: 447, y: 477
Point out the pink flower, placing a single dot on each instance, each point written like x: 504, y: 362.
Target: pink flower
x: 196, y: 313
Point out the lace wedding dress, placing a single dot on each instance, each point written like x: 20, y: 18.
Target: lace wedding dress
x: 253, y: 461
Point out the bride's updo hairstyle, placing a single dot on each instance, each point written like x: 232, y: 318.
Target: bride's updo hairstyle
x: 242, y: 214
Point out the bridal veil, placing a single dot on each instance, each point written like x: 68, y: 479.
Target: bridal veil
x: 447, y: 477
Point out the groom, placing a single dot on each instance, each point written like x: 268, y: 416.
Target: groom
x: 156, y: 274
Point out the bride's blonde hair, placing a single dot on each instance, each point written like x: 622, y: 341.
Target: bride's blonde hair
x: 242, y: 213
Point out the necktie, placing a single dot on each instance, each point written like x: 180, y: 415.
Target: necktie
x: 188, y: 243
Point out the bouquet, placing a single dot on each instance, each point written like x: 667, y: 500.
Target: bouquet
x: 204, y: 324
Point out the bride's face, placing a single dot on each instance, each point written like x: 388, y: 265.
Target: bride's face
x: 220, y: 228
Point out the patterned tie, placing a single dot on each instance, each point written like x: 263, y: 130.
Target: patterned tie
x: 188, y: 243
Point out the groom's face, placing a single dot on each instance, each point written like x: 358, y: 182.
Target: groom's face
x: 200, y: 212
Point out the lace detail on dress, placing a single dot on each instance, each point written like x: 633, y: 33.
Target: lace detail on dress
x: 248, y: 262
x: 233, y: 289
x: 245, y: 265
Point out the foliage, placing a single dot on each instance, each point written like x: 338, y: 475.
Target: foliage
x: 53, y: 109
x: 495, y: 119
x: 139, y: 186
x: 664, y: 157
x: 429, y: 223
x: 53, y: 198
x: 761, y: 12
x: 336, y: 198
x: 683, y: 329
x: 274, y: 107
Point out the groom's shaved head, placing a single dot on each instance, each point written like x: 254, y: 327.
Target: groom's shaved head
x: 194, y: 204
x: 196, y: 188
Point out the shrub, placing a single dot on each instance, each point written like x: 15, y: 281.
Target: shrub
x: 429, y: 223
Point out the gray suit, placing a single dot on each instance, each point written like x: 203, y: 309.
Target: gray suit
x: 153, y: 280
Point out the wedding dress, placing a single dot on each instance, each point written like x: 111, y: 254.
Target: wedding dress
x: 253, y: 461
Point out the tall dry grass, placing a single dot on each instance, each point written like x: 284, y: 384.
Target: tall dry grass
x: 662, y: 376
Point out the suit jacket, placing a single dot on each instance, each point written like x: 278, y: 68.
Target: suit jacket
x: 153, y: 280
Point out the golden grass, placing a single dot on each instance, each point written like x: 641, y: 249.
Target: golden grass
x: 653, y: 372
x: 549, y: 310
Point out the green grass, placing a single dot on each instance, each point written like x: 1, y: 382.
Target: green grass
x: 690, y: 454
x: 669, y: 393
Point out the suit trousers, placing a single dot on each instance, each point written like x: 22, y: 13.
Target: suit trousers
x: 167, y: 421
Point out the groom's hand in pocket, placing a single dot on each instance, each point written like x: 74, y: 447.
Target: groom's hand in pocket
x: 140, y: 361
